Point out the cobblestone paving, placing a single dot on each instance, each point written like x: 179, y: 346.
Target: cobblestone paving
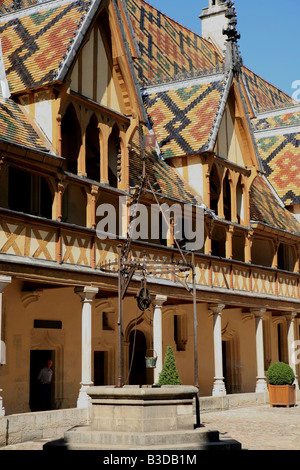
x: 256, y: 428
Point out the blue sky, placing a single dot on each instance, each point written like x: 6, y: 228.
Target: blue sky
x: 269, y: 43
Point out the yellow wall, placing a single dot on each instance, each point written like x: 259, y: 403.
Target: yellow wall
x: 92, y: 75
x: 228, y: 143
x: 22, y: 308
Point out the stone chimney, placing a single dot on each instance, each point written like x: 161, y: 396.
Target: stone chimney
x: 213, y: 22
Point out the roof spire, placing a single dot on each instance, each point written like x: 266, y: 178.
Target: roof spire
x: 233, y: 59
x: 213, y: 21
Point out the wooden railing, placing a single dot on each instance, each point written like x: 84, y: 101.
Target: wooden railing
x: 52, y: 241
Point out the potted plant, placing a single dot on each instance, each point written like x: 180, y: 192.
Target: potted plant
x: 169, y: 374
x: 281, y: 385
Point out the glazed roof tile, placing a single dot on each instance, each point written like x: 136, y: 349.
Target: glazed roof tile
x: 280, y: 155
x: 167, y: 48
x: 15, y: 127
x: 265, y: 208
x: 264, y: 96
x: 182, y: 118
x: 35, y: 44
x: 278, y: 121
x: 163, y: 177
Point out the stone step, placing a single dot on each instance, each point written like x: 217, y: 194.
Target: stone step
x: 84, y: 435
x: 221, y: 445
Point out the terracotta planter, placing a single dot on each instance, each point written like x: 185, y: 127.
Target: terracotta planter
x: 282, y: 395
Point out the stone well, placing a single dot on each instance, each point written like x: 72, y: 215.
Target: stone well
x: 145, y: 409
x: 142, y: 418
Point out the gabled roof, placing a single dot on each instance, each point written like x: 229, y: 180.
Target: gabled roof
x: 35, y: 41
x: 280, y: 155
x: 168, y: 48
x: 182, y: 115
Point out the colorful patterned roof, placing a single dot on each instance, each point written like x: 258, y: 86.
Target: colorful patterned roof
x: 163, y: 177
x: 265, y: 208
x: 33, y: 45
x: 273, y: 122
x: 7, y: 6
x: 182, y: 118
x: 264, y: 96
x: 15, y: 127
x: 280, y: 156
x: 167, y: 48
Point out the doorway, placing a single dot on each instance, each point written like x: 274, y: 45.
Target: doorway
x: 100, y: 368
x: 38, y: 360
x: 137, y: 354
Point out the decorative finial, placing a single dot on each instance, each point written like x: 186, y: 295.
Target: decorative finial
x: 233, y: 57
x: 231, y: 31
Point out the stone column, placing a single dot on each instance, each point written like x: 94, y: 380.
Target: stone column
x: 86, y: 294
x: 157, y: 334
x: 291, y: 339
x: 219, y: 385
x: 261, y: 382
x: 4, y: 281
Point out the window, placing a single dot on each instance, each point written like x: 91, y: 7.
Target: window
x: 29, y: 193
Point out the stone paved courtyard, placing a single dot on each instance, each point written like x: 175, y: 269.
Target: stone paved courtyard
x: 256, y: 427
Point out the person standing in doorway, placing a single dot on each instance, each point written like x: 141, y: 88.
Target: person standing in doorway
x: 45, y: 379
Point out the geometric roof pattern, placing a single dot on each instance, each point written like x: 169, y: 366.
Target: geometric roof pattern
x: 167, y: 48
x: 274, y: 122
x: 265, y: 208
x: 280, y: 156
x: 182, y: 118
x: 264, y: 96
x: 33, y: 45
x: 15, y: 127
x: 7, y: 6
x: 164, y: 177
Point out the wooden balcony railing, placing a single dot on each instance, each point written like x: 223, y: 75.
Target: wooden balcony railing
x: 52, y: 241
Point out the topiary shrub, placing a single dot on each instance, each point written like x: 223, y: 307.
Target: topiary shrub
x: 169, y: 374
x: 280, y: 373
